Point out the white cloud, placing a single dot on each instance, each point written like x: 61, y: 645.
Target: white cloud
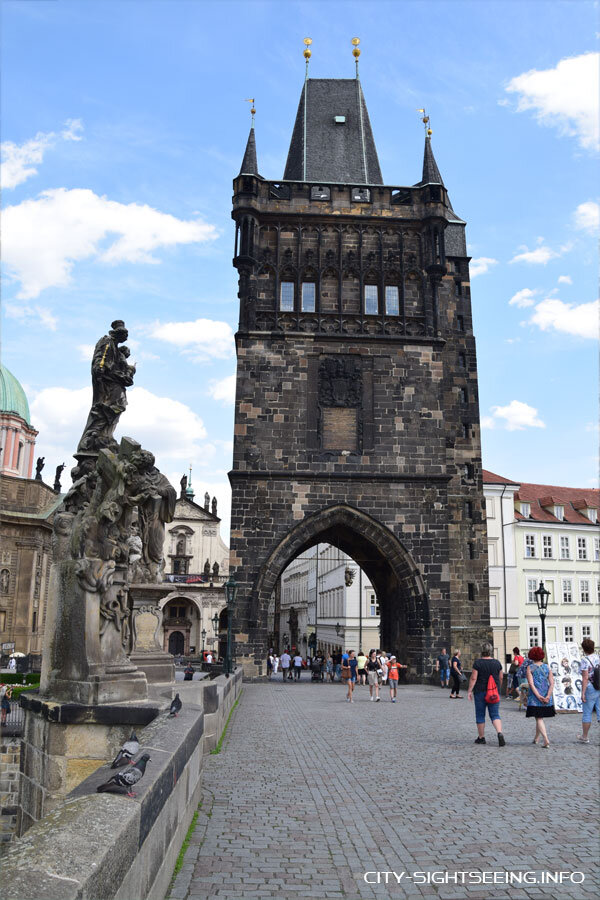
x: 565, y: 279
x: 481, y: 265
x: 515, y: 417
x: 43, y: 238
x: 523, y: 297
x: 32, y: 314
x: 86, y: 351
x: 540, y: 256
x: 202, y: 338
x: 587, y: 216
x: 565, y: 97
x: 554, y: 314
x: 19, y: 160
x: 224, y: 390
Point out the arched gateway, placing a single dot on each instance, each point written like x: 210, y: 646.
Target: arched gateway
x: 356, y: 419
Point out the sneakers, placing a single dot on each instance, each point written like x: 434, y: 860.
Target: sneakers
x: 393, y: 699
x: 582, y: 740
x: 371, y: 697
x: 479, y: 740
x: 377, y: 699
x: 501, y: 741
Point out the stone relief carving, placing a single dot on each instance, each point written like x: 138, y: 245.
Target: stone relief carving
x: 340, y: 382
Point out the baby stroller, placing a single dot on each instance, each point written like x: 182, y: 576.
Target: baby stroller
x: 316, y: 669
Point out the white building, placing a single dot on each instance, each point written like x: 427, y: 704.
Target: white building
x: 343, y: 613
x: 554, y: 538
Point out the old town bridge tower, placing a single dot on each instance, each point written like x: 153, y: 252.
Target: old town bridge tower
x: 356, y: 412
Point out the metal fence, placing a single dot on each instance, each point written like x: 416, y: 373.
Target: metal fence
x: 15, y: 721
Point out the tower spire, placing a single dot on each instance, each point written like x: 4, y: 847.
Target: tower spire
x: 431, y: 173
x: 249, y: 162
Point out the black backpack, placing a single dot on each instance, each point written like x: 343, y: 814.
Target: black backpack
x: 595, y: 677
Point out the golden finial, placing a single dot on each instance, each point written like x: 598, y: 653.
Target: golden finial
x: 356, y: 52
x: 307, y: 52
x: 252, y: 108
x: 425, y: 121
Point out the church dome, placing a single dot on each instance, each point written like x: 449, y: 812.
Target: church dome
x: 12, y: 395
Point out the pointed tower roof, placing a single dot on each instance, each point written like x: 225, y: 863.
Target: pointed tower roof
x: 332, y: 140
x: 249, y: 162
x: 431, y: 173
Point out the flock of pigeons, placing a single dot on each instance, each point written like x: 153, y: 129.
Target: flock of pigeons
x: 125, y: 780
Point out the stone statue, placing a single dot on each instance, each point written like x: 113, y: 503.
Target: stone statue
x: 183, y: 484
x: 207, y: 501
x: 156, y: 506
x: 38, y: 467
x: 111, y: 375
x: 214, y: 506
x: 207, y: 569
x: 215, y: 570
x: 57, y: 475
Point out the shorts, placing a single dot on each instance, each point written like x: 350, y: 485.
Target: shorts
x: 393, y: 682
x: 372, y: 678
x: 362, y: 671
x: 480, y: 707
x: 444, y: 674
x: 591, y: 702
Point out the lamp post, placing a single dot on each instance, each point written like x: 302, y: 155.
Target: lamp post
x: 541, y: 599
x: 203, y: 636
x: 230, y: 592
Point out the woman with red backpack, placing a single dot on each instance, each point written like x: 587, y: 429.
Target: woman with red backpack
x: 484, y: 688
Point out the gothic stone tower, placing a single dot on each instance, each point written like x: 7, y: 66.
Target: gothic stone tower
x: 356, y: 417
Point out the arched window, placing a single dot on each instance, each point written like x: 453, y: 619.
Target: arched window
x: 392, y: 300
x: 19, y: 455
x: 371, y: 295
x: 286, y: 296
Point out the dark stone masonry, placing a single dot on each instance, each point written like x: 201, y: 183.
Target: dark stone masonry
x: 357, y: 417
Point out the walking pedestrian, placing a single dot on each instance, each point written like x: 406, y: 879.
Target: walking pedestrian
x: 349, y: 666
x: 373, y: 671
x: 5, y: 698
x: 590, y: 688
x: 512, y: 689
x: 442, y: 665
x: 329, y: 667
x: 383, y: 666
x: 393, y: 676
x: 540, y: 703
x: 284, y: 662
x: 361, y: 671
x: 337, y: 664
x: 456, y: 674
x: 275, y: 663
x: 486, y: 695
x: 297, y: 666
x: 188, y: 672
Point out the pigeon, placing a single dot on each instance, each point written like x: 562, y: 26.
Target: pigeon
x: 176, y: 705
x: 127, y: 752
x: 125, y: 779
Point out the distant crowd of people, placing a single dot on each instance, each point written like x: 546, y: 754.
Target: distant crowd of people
x: 530, y: 680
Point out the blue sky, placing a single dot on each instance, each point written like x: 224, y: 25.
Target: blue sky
x: 123, y: 124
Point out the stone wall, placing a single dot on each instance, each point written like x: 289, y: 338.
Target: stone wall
x: 108, y: 846
x: 10, y: 755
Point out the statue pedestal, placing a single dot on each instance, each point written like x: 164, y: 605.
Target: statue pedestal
x: 86, y: 635
x: 147, y: 653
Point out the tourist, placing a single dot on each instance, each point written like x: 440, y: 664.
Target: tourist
x: 5, y: 698
x: 329, y: 669
x: 361, y: 670
x: 337, y: 664
x: 383, y: 667
x: 540, y: 704
x: 442, y: 665
x: 297, y: 666
x: 590, y: 694
x: 285, y: 664
x: 373, y: 670
x: 512, y: 689
x: 456, y: 675
x: 209, y: 657
x: 275, y: 664
x: 188, y: 672
x: 349, y: 667
x: 393, y: 676
x: 483, y: 668
x: 270, y: 664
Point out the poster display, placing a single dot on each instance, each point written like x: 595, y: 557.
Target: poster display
x: 565, y: 662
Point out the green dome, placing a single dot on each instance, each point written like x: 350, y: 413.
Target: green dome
x: 12, y: 395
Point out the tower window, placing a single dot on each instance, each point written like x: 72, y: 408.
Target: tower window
x: 466, y: 430
x: 458, y: 288
x: 286, y: 296
x: 371, y: 300
x: 464, y: 395
x: 462, y: 360
x: 460, y: 323
x: 308, y: 296
x: 392, y: 300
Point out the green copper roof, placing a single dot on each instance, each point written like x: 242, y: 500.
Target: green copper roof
x: 12, y: 395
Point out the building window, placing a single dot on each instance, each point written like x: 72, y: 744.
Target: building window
x: 568, y: 632
x: 392, y: 300
x: 565, y: 547
x: 462, y: 360
x: 593, y: 515
x: 567, y: 590
x: 596, y: 549
x: 471, y: 550
x: 559, y: 512
x: 458, y: 288
x: 582, y: 548
x: 533, y: 635
x: 468, y: 509
x: 530, y: 546
x: 471, y: 591
x: 547, y: 546
x: 460, y: 323
x: 531, y: 589
x: 466, y: 430
x: 34, y: 622
x: 464, y: 395
x: 371, y: 300
x: 4, y: 581
x: 586, y: 631
x: 584, y: 590
x: 374, y: 604
x: 308, y: 296
x: 286, y: 296
x: 525, y: 509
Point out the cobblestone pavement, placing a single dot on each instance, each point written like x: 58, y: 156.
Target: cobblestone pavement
x: 310, y: 792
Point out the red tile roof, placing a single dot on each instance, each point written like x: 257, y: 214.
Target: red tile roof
x: 540, y: 495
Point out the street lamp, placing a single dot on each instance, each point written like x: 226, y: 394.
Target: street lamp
x: 203, y: 636
x: 541, y: 599
x: 215, y: 622
x: 338, y: 628
x: 230, y: 592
